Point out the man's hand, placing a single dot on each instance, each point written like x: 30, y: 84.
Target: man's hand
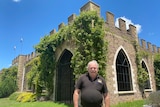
x: 76, y: 97
x: 106, y: 100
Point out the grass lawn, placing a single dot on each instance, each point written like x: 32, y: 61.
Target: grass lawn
x: 138, y: 103
x: 5, y: 102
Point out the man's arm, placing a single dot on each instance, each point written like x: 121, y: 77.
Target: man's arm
x: 76, y: 97
x: 106, y: 100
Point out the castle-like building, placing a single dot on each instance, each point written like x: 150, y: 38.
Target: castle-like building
x: 121, y: 67
x: 21, y: 62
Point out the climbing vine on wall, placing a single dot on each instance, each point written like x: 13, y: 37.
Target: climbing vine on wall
x: 90, y: 42
x: 142, y: 75
x: 87, y: 31
x: 157, y: 70
x: 33, y: 76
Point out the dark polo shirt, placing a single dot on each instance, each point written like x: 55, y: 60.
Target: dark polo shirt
x: 91, y: 91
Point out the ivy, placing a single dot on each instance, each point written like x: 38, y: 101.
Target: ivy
x: 87, y: 32
x: 33, y: 76
x: 142, y: 75
x: 90, y: 43
x: 157, y: 70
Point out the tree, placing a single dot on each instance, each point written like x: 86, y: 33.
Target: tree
x: 8, y: 83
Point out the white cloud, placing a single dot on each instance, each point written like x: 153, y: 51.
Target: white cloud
x: 128, y: 21
x: 16, y: 1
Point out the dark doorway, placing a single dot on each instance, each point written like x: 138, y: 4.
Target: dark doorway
x: 64, y: 78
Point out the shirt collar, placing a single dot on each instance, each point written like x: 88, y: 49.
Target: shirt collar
x: 87, y: 74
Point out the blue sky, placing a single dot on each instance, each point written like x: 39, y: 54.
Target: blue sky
x: 24, y: 22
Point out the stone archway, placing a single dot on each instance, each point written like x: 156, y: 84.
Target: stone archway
x: 64, y: 78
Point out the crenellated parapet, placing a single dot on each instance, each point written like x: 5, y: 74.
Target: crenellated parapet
x: 26, y: 58
x: 70, y: 21
x: 31, y: 56
x: 110, y: 19
x: 143, y: 44
x: 15, y: 61
x: 90, y: 6
x: 122, y: 31
x: 122, y: 26
x: 149, y: 47
x: 132, y: 30
x: 52, y: 31
x: 60, y: 25
x: 71, y: 18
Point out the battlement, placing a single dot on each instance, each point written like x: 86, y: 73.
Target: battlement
x: 26, y: 58
x: 61, y: 25
x: 148, y: 46
x: 52, y: 31
x: 91, y: 6
x: 71, y: 18
x: 122, y: 25
x: 122, y: 30
x: 31, y: 56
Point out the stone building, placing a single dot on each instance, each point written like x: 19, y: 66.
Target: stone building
x: 121, y: 67
x: 20, y: 61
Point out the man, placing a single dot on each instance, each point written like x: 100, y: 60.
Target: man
x: 92, y: 87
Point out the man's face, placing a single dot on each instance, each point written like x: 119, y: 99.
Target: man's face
x: 93, y: 70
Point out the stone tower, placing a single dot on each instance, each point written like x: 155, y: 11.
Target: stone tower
x: 91, y: 6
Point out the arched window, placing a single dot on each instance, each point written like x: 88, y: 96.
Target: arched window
x: 147, y: 84
x: 123, y: 69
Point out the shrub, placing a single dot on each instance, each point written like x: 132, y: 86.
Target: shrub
x: 154, y: 98
x: 14, y: 96
x: 26, y: 97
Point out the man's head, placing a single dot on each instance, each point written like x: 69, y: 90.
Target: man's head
x: 92, y: 68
